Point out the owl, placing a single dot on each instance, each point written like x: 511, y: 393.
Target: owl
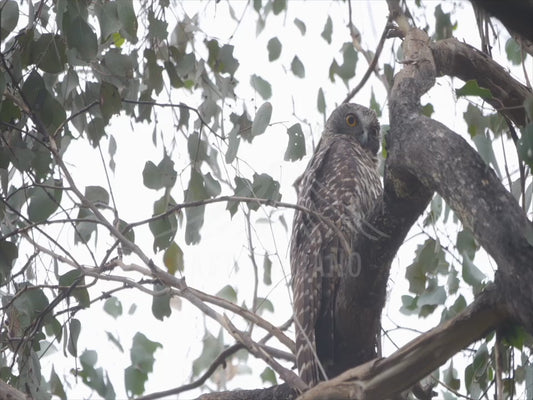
x: 341, y: 183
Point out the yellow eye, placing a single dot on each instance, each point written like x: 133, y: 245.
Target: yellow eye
x: 351, y: 120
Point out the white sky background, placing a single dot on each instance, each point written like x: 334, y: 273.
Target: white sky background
x: 211, y: 265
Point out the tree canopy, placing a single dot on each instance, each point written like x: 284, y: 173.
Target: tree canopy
x: 148, y: 151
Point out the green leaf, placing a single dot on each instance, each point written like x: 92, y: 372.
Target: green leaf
x: 264, y: 187
x: 163, y: 228
x: 525, y: 145
x: 157, y: 29
x: 97, y: 195
x: 212, y: 346
x: 267, y: 270
x: 56, y: 386
x: 347, y: 69
x: 268, y: 376
x: 76, y: 278
x: 74, y: 328
x: 161, y: 176
x: 450, y: 377
x: 264, y: 305
x: 50, y: 112
x: 196, y: 191
x: 96, y: 131
x: 142, y: 352
x: 296, y: 146
x: 243, y: 188
x: 321, y: 102
x: 300, y: 25
x: 471, y: 88
x: 484, y: 147
x: 81, y: 37
x: 94, y: 377
x: 274, y: 49
x: 466, y: 244
x: 113, y: 307
x: 45, y: 200
x: 261, y: 86
x: 29, y: 303
x: 8, y: 255
x: 433, y: 296
x: 443, y: 24
x: 161, y: 303
x: 409, y: 305
x: 50, y: 53
x: 514, y: 51
x: 128, y: 19
x: 297, y: 67
x: 228, y: 293
x: 328, y: 28
x: 9, y: 16
x: 173, y: 258
x: 471, y: 274
x: 110, y: 102
x: 262, y: 119
x: 278, y: 6
x: 427, y: 110
x: 115, y: 341
x: 233, y: 143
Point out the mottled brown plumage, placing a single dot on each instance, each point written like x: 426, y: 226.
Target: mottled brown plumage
x: 341, y: 182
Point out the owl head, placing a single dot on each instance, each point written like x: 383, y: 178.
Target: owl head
x: 357, y: 121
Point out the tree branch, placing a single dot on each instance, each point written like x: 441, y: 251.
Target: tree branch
x: 459, y: 59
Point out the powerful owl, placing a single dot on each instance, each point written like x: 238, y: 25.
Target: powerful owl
x: 339, y: 188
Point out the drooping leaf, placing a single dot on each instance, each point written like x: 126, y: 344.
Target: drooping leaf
x: 346, y: 70
x: 161, y: 303
x: 296, y: 146
x: 278, y: 6
x: 228, y: 293
x: 212, y: 346
x: 525, y: 145
x: 80, y: 36
x: 514, y: 51
x: 267, y: 270
x: 264, y: 187
x: 471, y: 274
x: 161, y: 176
x: 128, y: 19
x: 243, y: 188
x: 110, y: 102
x: 262, y: 119
x: 173, y: 258
x: 268, y: 376
x: 300, y: 25
x: 8, y: 255
x: 94, y: 377
x: 113, y: 307
x: 471, y: 88
x: 157, y: 28
x: 443, y: 24
x: 328, y: 29
x: 45, y: 200
x: 274, y: 49
x: 163, y: 228
x: 142, y: 361
x: 196, y: 191
x: 50, y: 53
x: 74, y: 328
x: 9, y: 16
x: 374, y: 105
x: 261, y: 86
x: 297, y: 67
x: 56, y: 386
x: 321, y: 102
x: 75, y: 278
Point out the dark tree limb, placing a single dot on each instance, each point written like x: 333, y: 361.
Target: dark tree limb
x: 454, y: 58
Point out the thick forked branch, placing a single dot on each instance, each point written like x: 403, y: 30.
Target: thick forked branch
x: 441, y: 160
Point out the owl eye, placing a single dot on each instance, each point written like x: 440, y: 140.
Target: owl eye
x: 351, y: 120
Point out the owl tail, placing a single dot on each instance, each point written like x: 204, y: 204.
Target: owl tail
x: 306, y: 358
